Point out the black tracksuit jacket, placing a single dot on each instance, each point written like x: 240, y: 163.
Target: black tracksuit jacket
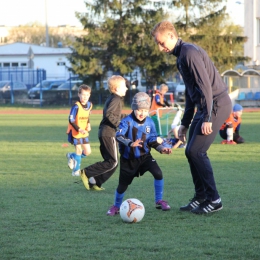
x: 204, y: 84
x: 112, y: 115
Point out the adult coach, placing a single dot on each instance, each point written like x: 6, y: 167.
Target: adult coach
x: 206, y: 91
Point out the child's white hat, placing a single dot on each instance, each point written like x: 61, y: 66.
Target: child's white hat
x: 141, y: 101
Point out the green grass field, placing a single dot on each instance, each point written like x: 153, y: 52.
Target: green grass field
x: 46, y: 214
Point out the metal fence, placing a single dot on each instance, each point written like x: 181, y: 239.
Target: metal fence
x: 55, y: 96
x: 30, y: 77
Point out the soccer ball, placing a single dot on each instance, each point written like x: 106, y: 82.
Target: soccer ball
x: 132, y: 210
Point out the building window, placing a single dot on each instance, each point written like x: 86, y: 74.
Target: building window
x: 6, y: 64
x: 61, y: 64
x: 14, y: 64
x: 23, y: 64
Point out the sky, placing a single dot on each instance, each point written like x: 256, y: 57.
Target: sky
x: 59, y: 12
x: 62, y: 12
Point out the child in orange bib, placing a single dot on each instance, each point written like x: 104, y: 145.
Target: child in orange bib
x: 78, y: 129
x: 229, y: 131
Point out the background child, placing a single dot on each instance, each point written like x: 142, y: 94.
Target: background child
x: 78, y: 129
x: 136, y: 136
x: 96, y: 174
x: 176, y: 142
x: 159, y: 101
x: 229, y: 131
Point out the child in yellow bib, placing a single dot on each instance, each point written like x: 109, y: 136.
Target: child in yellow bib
x: 78, y: 129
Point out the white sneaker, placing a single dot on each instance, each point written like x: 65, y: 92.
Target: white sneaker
x: 76, y: 173
x: 71, y: 162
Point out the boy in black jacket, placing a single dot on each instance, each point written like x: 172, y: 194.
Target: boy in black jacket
x: 96, y: 174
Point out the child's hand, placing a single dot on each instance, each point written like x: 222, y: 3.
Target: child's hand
x: 137, y: 143
x: 82, y: 131
x: 166, y: 151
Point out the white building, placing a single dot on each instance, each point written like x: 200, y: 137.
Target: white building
x: 24, y: 55
x: 252, y: 31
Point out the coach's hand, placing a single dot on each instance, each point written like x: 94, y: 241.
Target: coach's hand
x: 206, y: 128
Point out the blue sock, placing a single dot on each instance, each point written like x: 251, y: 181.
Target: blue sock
x: 72, y: 155
x: 83, y: 155
x: 118, y: 199
x: 158, y: 189
x: 77, y: 158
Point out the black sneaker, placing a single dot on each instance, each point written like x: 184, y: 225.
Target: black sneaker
x: 194, y: 203
x: 207, y: 207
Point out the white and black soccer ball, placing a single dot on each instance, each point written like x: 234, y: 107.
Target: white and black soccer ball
x: 132, y: 210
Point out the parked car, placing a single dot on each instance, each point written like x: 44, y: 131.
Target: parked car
x: 73, y: 85
x: 179, y: 93
x: 64, y: 88
x: 171, y: 85
x: 45, y: 85
x: 19, y: 89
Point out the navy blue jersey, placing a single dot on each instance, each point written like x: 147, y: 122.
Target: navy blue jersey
x: 131, y: 129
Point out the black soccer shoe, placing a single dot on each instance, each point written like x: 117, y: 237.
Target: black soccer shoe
x: 194, y: 203
x: 207, y: 207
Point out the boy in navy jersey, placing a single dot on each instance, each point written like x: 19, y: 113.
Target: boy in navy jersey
x: 136, y: 136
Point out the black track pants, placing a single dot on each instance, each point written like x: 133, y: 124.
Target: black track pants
x: 102, y: 171
x: 196, y: 151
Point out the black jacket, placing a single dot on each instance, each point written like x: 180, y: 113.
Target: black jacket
x: 111, y: 116
x: 203, y: 83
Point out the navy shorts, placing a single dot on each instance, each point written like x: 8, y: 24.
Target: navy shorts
x: 77, y: 141
x: 129, y: 169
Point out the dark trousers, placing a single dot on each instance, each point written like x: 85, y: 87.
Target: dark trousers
x: 102, y: 171
x: 197, y: 147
